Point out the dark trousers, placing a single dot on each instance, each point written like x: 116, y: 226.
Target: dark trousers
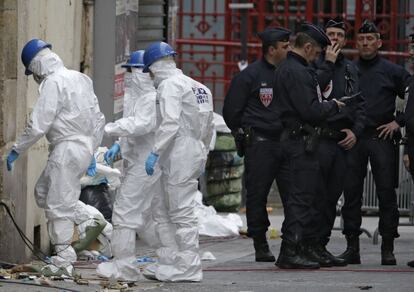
x: 409, y: 149
x: 304, y: 173
x: 382, y: 157
x: 263, y: 164
x: 332, y: 161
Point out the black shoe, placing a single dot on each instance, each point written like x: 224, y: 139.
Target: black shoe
x: 262, y: 251
x: 290, y: 257
x: 336, y: 262
x: 264, y: 255
x: 351, y: 254
x: 313, y: 253
x: 387, y: 252
x: 388, y: 258
x: 411, y: 264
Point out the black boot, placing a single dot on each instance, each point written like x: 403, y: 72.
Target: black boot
x: 312, y: 252
x: 262, y: 251
x: 351, y: 254
x: 291, y: 257
x: 387, y: 249
x: 411, y: 264
x: 335, y: 261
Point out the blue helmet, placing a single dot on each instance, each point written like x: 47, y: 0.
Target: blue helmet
x: 30, y: 50
x: 156, y: 51
x: 136, y: 60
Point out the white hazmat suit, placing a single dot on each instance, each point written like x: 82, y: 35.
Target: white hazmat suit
x: 132, y: 204
x: 67, y: 112
x: 182, y: 142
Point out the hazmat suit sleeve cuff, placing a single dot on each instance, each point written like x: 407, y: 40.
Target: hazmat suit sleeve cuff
x: 112, y: 129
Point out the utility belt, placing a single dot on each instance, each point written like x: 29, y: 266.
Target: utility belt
x: 312, y: 135
x: 243, y: 138
x: 331, y: 134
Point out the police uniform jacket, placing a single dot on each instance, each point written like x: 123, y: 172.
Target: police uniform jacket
x: 298, y: 96
x: 380, y: 82
x: 333, y: 83
x: 248, y: 100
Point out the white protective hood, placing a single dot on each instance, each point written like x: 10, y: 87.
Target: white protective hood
x: 67, y: 108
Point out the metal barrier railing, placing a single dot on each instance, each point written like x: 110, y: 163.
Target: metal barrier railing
x: 404, y: 190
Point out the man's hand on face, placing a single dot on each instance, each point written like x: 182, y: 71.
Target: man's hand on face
x: 332, y: 53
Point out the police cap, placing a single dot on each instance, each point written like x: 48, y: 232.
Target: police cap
x: 368, y: 27
x: 274, y: 34
x: 316, y: 33
x: 336, y: 24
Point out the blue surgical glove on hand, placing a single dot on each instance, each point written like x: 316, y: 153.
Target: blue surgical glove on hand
x: 92, y: 167
x: 13, y: 155
x: 109, y: 155
x: 150, y: 163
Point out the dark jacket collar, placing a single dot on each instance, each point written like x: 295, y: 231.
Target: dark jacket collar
x: 369, y: 62
x: 270, y: 66
x: 299, y: 58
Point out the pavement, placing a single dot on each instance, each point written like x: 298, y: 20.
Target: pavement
x: 235, y: 269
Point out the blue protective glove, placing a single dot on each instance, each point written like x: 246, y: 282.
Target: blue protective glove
x: 13, y: 155
x: 92, y: 167
x: 109, y: 155
x: 150, y: 163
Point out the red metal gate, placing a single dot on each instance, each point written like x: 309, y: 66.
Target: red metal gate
x: 209, y: 32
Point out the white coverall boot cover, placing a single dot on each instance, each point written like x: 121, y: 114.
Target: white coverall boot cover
x: 182, y: 142
x: 123, y: 266
x: 67, y: 113
x: 132, y: 204
x: 61, y: 234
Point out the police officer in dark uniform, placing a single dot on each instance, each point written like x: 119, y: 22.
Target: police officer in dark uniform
x: 408, y: 157
x: 257, y: 131
x: 380, y: 82
x: 300, y: 106
x: 338, y: 78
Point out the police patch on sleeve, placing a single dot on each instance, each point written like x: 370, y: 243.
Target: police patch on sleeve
x: 266, y: 95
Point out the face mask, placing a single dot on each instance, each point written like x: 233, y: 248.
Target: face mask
x: 161, y: 68
x: 38, y: 79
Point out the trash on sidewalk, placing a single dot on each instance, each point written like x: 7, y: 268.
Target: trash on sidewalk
x: 96, y: 190
x: 92, y: 231
x: 25, y: 268
x: 4, y: 265
x: 145, y: 259
x: 207, y: 256
x: 212, y: 224
x: 273, y: 233
x: 5, y: 274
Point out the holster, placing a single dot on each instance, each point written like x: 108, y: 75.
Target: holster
x: 311, y: 138
x: 242, y: 138
x: 397, y: 137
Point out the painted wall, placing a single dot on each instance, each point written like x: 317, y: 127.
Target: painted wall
x: 59, y: 23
